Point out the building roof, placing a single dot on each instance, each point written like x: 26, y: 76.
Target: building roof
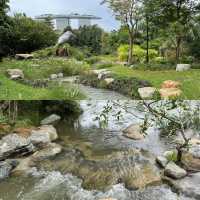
x: 68, y: 16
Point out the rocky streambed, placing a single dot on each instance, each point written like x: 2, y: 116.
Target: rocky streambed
x: 80, y: 160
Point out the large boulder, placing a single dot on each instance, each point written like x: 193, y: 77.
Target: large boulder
x: 188, y: 186
x: 24, y: 56
x: 43, y: 135
x: 191, y: 159
x: 65, y: 37
x: 108, y: 81
x: 183, y: 67
x: 174, y: 171
x: 15, y: 74
x: 147, y: 92
x: 52, y: 119
x: 14, y: 144
x: 162, y: 161
x: 134, y: 132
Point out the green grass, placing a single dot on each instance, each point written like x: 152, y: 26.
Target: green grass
x: 11, y: 90
x: 40, y: 69
x: 190, y: 80
x: 43, y: 68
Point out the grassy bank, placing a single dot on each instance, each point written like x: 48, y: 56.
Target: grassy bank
x: 40, y: 69
x: 190, y: 80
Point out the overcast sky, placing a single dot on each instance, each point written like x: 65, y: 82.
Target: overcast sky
x: 93, y: 7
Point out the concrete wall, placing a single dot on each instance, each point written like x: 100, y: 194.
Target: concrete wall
x: 84, y: 22
x: 61, y: 23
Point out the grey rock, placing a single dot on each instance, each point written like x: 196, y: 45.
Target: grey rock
x: 162, y: 161
x: 52, y: 119
x: 188, y: 186
x: 146, y: 92
x: 43, y: 135
x: 15, y: 74
x: 183, y: 67
x: 65, y: 37
x: 174, y: 171
x: 48, y: 151
x: 53, y: 76
x: 60, y: 75
x: 134, y: 132
x: 5, y: 170
x: 14, y: 144
x: 24, y: 56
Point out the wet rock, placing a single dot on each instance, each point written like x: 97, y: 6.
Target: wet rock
x: 108, y: 81
x: 5, y: 170
x: 162, y: 161
x: 188, y: 186
x: 48, y: 151
x: 191, y: 159
x: 134, y: 132
x: 183, y: 67
x: 146, y: 92
x: 23, y: 166
x: 107, y: 199
x: 174, y: 171
x: 15, y: 145
x: 43, y: 135
x: 104, y: 75
x: 52, y: 119
x: 24, y: 56
x: 15, y: 74
x: 170, y: 93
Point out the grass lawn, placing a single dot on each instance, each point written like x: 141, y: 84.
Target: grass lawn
x: 39, y: 69
x: 190, y: 80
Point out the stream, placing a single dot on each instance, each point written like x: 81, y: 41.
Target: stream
x: 96, y: 163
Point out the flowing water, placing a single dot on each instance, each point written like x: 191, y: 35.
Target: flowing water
x: 96, y: 162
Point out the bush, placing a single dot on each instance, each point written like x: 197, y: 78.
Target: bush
x: 138, y: 52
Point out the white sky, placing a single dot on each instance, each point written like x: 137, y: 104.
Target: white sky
x: 93, y: 7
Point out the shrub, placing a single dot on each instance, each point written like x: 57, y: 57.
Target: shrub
x: 138, y: 52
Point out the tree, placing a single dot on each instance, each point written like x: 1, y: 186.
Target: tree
x: 176, y: 16
x: 4, y: 25
x: 128, y: 13
x: 27, y: 35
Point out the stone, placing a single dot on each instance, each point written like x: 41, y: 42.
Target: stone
x: 43, y: 135
x: 60, y: 75
x: 107, y: 199
x: 183, y: 67
x: 48, y: 151
x: 23, y: 166
x: 108, y: 81
x: 171, y: 84
x: 53, y: 76
x: 170, y: 93
x: 174, y: 171
x: 146, y: 92
x: 191, y: 159
x: 104, y: 75
x: 97, y: 72
x: 24, y: 132
x: 5, y: 170
x: 52, y: 119
x: 134, y: 132
x: 15, y: 74
x: 24, y: 56
x: 162, y: 161
x: 14, y: 144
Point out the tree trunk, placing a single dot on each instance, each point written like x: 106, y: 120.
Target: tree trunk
x: 130, y: 55
x: 178, y: 49
x: 147, y: 39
